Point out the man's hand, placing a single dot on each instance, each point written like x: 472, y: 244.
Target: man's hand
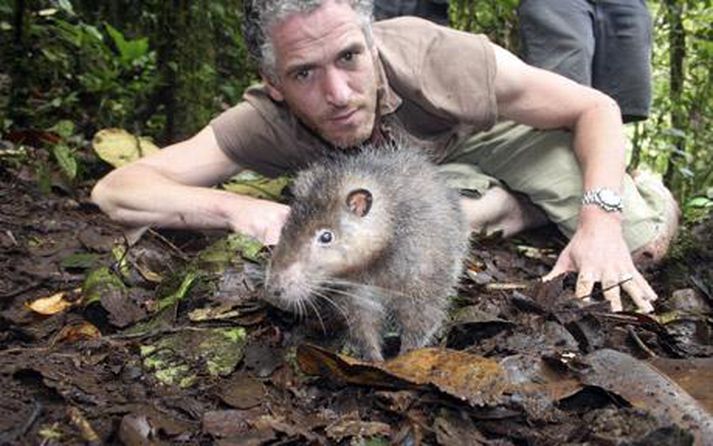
x: 599, y: 253
x: 264, y: 220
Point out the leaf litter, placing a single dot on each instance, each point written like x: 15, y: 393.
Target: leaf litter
x: 166, y: 341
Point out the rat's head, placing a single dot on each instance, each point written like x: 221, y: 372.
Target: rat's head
x: 337, y: 228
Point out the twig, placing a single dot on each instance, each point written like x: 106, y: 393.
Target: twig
x: 608, y: 288
x: 23, y: 349
x: 641, y: 343
x: 170, y: 244
x: 159, y: 331
x: 505, y: 286
x: 10, y: 436
x: 36, y: 411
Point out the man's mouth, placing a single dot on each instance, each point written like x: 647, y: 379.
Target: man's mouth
x: 343, y: 117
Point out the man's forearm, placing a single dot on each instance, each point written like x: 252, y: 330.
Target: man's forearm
x: 140, y: 196
x: 600, y: 147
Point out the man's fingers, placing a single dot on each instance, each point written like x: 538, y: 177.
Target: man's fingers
x: 635, y: 286
x: 585, y: 285
x: 638, y: 295
x: 563, y: 265
x: 649, y: 293
x: 551, y: 275
x: 612, y: 293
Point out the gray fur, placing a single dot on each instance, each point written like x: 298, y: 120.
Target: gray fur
x: 401, y: 260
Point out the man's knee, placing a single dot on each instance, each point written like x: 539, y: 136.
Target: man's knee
x: 656, y: 248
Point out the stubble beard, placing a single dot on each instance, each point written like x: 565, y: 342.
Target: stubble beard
x: 359, y: 136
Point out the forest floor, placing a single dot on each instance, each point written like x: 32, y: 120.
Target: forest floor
x: 166, y: 341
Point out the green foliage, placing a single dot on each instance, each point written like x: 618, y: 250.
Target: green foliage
x: 677, y: 138
x: 495, y: 18
x: 144, y: 66
x: 88, y: 73
x: 130, y: 51
x: 164, y: 69
x: 65, y: 156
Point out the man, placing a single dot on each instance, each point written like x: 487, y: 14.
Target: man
x: 330, y: 83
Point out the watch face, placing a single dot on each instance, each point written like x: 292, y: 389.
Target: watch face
x: 609, y: 197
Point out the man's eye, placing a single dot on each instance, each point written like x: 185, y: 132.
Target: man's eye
x: 302, y: 75
x: 348, y: 56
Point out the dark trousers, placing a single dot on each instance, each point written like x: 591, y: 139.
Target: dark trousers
x: 602, y: 43
x: 434, y: 10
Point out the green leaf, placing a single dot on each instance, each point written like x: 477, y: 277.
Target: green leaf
x: 119, y: 147
x: 66, y: 6
x: 255, y: 185
x: 66, y: 160
x: 129, y: 50
x: 94, y: 33
x: 64, y: 128
x: 229, y: 250
x: 82, y: 260
x: 99, y: 282
x: 176, y: 359
x: 700, y: 202
x: 174, y: 298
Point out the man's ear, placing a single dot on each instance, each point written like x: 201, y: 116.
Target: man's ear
x: 272, y: 89
x: 374, y: 52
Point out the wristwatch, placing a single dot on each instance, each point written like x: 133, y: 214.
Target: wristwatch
x: 605, y: 198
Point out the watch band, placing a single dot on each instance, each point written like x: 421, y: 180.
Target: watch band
x: 605, y: 198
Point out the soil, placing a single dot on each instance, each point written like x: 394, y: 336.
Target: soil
x: 157, y: 342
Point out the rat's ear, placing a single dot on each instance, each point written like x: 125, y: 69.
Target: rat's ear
x: 359, y: 202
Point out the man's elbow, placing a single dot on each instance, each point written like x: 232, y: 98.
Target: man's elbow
x: 102, y: 197
x: 602, y: 101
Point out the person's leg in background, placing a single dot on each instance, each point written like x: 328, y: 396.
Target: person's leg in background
x: 622, y: 58
x: 558, y: 36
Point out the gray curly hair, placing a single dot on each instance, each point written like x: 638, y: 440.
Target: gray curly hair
x: 261, y: 15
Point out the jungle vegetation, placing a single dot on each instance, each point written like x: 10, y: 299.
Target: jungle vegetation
x: 162, y: 69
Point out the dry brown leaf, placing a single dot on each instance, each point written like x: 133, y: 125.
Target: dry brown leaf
x: 53, y: 304
x: 77, y: 332
x: 468, y: 377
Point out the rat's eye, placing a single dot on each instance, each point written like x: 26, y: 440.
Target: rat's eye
x: 325, y: 237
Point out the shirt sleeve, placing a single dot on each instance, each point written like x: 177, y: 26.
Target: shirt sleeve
x: 447, y: 71
x: 260, y: 135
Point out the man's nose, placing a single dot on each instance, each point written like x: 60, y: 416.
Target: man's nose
x: 336, y: 87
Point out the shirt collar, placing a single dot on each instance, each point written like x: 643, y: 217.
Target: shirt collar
x: 389, y: 101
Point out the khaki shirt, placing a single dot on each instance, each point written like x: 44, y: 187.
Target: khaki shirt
x: 436, y: 88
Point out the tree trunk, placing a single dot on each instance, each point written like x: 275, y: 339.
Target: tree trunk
x: 18, y: 68
x: 677, y: 55
x: 186, y: 61
x: 166, y: 56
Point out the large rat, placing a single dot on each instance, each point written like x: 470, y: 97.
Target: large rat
x: 376, y: 236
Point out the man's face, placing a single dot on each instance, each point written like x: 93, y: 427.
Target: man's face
x: 326, y: 73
